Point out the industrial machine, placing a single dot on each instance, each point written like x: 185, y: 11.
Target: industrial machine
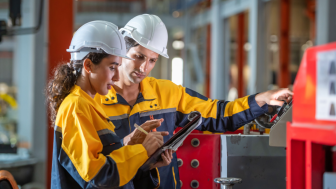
x: 238, y: 161
x: 311, y: 136
x: 299, y: 152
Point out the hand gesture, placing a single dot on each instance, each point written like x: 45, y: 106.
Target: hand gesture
x: 153, y: 141
x: 137, y: 137
x: 167, y: 157
x: 274, y: 97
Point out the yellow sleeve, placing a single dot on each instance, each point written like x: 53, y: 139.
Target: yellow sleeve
x: 83, y: 147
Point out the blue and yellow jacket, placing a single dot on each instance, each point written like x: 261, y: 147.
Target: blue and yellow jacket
x: 88, y: 154
x: 163, y: 99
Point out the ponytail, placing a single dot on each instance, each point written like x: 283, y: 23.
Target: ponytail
x: 64, y: 79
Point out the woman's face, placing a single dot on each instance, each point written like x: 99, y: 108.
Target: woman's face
x: 104, y: 74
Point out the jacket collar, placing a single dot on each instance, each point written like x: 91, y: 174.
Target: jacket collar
x: 147, y: 93
x: 77, y: 91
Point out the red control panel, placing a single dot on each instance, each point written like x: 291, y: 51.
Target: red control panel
x: 199, y: 161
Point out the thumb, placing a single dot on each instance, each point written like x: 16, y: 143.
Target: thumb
x: 276, y: 102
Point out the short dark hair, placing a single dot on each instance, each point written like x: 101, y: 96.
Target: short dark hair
x: 130, y: 43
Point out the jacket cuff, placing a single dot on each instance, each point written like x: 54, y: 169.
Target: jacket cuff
x: 256, y: 110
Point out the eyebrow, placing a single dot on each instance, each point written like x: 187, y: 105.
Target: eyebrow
x: 115, y: 63
x: 146, y: 56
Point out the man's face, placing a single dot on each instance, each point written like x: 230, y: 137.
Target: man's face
x: 138, y: 69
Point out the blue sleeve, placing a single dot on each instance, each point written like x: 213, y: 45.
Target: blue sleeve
x: 218, y: 115
x: 146, y: 180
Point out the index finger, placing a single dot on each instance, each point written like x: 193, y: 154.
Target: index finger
x: 164, y: 133
x: 287, y: 91
x: 152, y: 124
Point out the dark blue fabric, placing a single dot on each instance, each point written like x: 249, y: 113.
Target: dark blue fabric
x: 64, y: 174
x: 121, y: 127
x: 145, y: 180
x: 223, y: 124
x: 166, y: 174
x: 195, y: 94
x: 110, y: 143
x: 60, y: 177
x: 172, y: 120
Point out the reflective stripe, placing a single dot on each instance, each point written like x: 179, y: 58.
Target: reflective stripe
x: 174, y: 177
x: 123, y: 116
x: 157, y: 171
x: 58, y: 129
x: 105, y: 131
x: 169, y: 110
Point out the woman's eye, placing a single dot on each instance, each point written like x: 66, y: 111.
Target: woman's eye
x: 111, y: 68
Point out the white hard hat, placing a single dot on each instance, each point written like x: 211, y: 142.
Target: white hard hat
x: 97, y: 36
x: 149, y: 31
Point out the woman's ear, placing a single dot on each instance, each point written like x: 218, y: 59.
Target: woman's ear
x: 88, y: 65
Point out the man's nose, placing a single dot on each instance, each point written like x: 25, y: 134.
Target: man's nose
x: 143, y: 67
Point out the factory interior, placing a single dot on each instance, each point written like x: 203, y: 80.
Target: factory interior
x: 221, y: 54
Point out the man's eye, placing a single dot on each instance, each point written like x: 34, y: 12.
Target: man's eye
x: 139, y: 56
x: 112, y: 68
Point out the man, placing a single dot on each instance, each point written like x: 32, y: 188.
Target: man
x: 137, y: 98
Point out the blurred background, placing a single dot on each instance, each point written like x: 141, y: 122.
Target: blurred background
x: 223, y: 49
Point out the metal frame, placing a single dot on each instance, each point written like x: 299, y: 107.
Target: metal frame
x: 326, y: 19
x: 283, y: 73
x: 218, y: 17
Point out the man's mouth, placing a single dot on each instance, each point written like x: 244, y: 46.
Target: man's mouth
x: 139, y: 74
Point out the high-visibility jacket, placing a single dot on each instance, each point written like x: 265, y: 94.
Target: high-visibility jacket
x: 88, y: 154
x: 164, y: 99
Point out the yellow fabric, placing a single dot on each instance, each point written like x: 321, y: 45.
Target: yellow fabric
x: 80, y: 117
x: 129, y: 158
x: 236, y: 106
x: 174, y: 178
x: 161, y: 90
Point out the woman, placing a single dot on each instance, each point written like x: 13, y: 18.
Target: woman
x: 86, y: 152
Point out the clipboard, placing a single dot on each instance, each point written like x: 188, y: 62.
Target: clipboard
x: 195, y: 120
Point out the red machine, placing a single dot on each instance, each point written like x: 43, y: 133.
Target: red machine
x: 312, y: 134
x: 199, y: 161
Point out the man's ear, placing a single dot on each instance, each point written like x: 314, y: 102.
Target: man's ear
x: 88, y: 65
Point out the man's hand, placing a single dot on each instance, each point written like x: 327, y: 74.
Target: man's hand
x: 153, y: 141
x: 274, y: 97
x: 167, y: 157
x: 137, y: 137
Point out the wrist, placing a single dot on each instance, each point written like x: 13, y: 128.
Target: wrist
x: 260, y: 99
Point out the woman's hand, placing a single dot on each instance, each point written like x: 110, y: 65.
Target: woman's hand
x: 274, y: 97
x: 167, y: 157
x: 153, y: 141
x: 137, y: 137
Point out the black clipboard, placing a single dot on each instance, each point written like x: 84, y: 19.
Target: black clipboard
x: 195, y: 119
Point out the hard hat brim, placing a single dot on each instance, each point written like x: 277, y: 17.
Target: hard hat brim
x: 130, y: 34
x: 125, y: 57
